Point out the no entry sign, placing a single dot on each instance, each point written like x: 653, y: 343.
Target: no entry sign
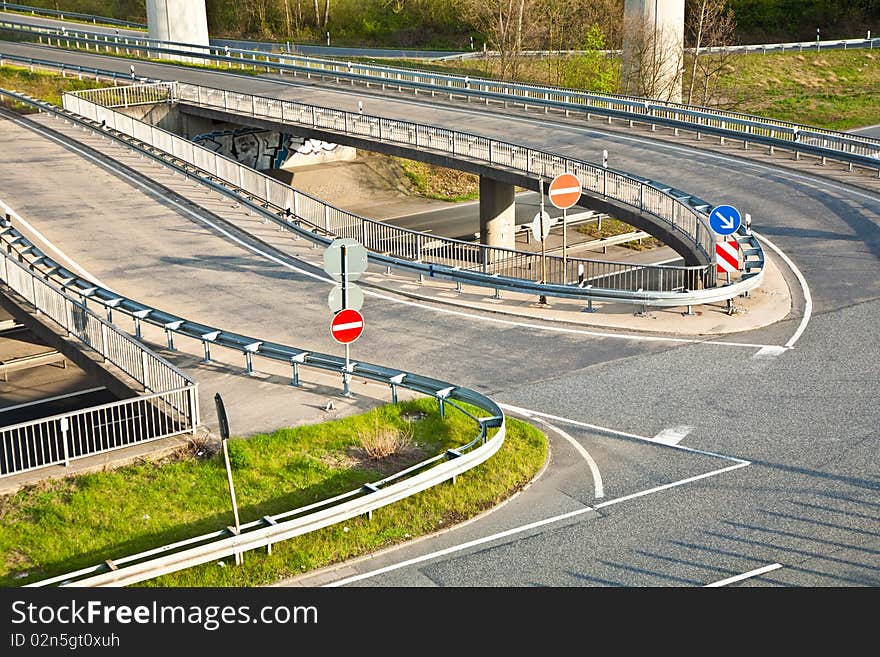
x: 564, y: 191
x: 347, y: 326
x: 727, y: 256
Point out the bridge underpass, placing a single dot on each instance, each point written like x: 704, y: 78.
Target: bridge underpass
x: 806, y: 499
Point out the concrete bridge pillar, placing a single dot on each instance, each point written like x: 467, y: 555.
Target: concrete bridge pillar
x: 653, y: 48
x: 497, y: 213
x: 184, y: 21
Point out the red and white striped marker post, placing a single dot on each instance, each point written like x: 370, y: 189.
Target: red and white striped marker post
x: 727, y: 257
x: 346, y: 327
x: 565, y: 192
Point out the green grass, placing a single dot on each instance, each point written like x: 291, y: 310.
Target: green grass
x: 612, y: 227
x: 38, y: 84
x: 835, y: 89
x: 60, y: 526
x: 440, y: 183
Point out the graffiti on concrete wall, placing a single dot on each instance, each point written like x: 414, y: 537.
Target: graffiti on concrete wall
x: 263, y: 149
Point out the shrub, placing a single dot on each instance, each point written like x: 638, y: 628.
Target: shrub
x: 384, y: 441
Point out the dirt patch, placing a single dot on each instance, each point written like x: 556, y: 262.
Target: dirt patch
x: 355, y: 458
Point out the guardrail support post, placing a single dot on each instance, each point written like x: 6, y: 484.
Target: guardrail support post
x: 169, y: 335
x: 207, y: 346
x: 137, y: 328
x: 249, y: 363
x: 690, y: 311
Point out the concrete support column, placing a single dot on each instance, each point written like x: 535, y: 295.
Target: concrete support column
x: 653, y: 48
x: 183, y: 21
x: 497, y: 213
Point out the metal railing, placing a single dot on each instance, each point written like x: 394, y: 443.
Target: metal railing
x: 846, y: 147
x: 291, y: 217
x: 677, y: 212
x: 57, y: 13
x: 271, y: 529
x: 170, y: 405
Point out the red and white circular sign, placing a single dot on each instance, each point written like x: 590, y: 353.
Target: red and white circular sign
x: 564, y: 191
x: 347, y: 326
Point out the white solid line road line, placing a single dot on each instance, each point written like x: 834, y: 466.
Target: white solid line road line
x: 808, y: 298
x: 598, y: 488
x: 523, y: 528
x: 622, y: 434
x: 739, y: 578
x: 738, y: 463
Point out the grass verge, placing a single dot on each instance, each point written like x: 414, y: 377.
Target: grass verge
x: 39, y: 84
x: 62, y: 525
x: 612, y: 227
x: 440, y: 183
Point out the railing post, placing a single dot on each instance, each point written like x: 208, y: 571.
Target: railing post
x: 65, y: 426
x: 104, y: 341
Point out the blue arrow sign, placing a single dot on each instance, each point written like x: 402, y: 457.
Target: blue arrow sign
x: 725, y: 219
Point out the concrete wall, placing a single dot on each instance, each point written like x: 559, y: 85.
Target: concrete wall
x: 178, y: 20
x: 653, y: 47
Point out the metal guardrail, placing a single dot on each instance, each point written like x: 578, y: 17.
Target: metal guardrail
x: 845, y: 147
x: 287, y: 217
x: 682, y: 213
x: 270, y: 529
x: 410, y: 244
x: 169, y: 407
x: 58, y: 13
x: 400, y: 247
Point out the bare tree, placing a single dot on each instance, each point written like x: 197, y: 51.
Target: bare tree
x: 504, y: 23
x: 319, y: 21
x: 713, y: 27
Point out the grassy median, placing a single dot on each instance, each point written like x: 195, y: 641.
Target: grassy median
x: 59, y: 526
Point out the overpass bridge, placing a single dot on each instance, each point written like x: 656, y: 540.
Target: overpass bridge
x: 803, y: 468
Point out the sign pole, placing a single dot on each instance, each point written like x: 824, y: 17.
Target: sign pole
x: 543, y: 298
x: 564, y: 248
x: 224, y: 438
x: 344, y: 274
x: 346, y: 376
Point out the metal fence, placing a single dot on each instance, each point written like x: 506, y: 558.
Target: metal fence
x: 170, y: 405
x: 383, y: 238
x: 825, y: 143
x: 487, y: 417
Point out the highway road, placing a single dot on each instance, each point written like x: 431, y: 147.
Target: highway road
x: 674, y: 463
x: 868, y: 131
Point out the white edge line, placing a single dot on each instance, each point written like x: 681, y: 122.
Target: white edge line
x: 808, y: 298
x: 623, y: 434
x: 594, y: 468
x: 253, y: 249
x: 739, y: 578
x: 518, y: 530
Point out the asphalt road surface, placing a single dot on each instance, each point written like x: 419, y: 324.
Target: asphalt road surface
x: 767, y: 462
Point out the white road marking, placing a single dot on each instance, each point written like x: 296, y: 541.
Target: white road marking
x: 751, y: 573
x: 523, y: 528
x: 673, y: 435
x: 768, y: 353
x: 598, y: 488
x: 808, y: 298
x: 622, y: 434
